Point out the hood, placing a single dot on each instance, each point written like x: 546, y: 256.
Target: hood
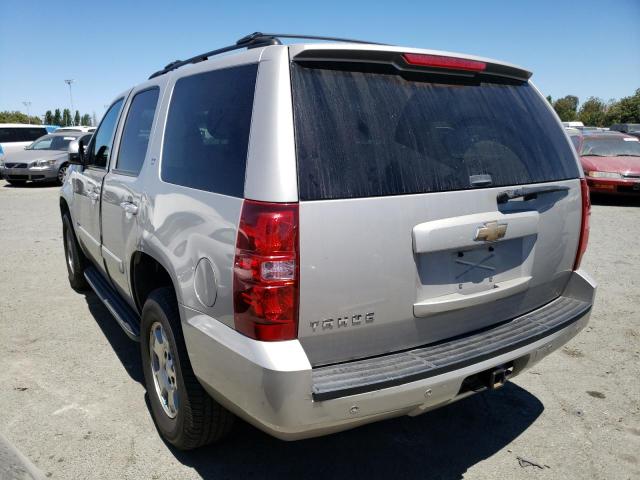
x: 624, y: 165
x: 28, y: 156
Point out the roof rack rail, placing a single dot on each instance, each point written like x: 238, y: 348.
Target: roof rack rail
x: 254, y: 40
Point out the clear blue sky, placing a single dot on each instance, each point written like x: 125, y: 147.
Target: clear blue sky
x: 582, y: 48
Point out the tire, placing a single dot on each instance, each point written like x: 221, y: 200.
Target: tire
x: 74, y: 258
x: 17, y: 183
x: 197, y: 419
x: 62, y: 171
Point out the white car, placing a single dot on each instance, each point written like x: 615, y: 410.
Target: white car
x: 78, y: 128
x: 15, y: 136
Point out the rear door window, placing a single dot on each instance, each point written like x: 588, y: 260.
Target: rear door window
x: 137, y: 128
x: 207, y: 130
x: 21, y: 134
x: 364, y: 134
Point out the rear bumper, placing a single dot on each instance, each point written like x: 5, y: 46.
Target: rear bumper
x: 613, y: 186
x: 273, y: 386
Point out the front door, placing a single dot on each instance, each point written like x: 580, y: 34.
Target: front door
x: 87, y: 184
x: 122, y: 189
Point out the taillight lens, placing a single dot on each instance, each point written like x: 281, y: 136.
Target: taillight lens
x: 439, y: 61
x: 266, y: 271
x: 584, y: 228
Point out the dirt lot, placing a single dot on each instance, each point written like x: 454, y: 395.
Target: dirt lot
x: 73, y: 402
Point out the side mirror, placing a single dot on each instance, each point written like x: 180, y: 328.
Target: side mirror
x: 77, y: 158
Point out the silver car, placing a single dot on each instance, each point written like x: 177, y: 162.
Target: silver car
x: 318, y: 236
x: 44, y: 160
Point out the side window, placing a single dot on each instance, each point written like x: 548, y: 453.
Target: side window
x: 101, y: 145
x: 207, y: 131
x: 137, y: 128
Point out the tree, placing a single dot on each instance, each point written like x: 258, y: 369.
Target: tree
x: 66, y: 117
x: 48, y: 117
x: 18, y: 117
x: 592, y: 112
x: 566, y: 108
x: 85, y: 120
x: 76, y: 118
x: 549, y: 99
x: 57, y: 119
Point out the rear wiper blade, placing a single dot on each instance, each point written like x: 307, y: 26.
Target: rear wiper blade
x: 528, y: 193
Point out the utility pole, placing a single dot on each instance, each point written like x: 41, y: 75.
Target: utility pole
x: 27, y: 104
x: 69, y: 82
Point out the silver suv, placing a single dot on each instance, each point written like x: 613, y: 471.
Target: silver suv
x: 317, y: 236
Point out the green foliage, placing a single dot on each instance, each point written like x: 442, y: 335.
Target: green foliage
x: 66, y: 118
x: 48, y: 118
x: 566, y: 108
x: 76, y: 118
x: 18, y: 117
x: 85, y: 120
x: 593, y: 112
x: 549, y: 99
x: 57, y: 118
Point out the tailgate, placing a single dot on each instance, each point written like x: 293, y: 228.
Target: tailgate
x: 406, y: 237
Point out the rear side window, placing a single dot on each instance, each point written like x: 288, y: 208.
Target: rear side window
x: 17, y: 134
x: 207, y: 132
x: 370, y: 134
x: 137, y: 128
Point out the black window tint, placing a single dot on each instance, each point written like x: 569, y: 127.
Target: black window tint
x: 207, y: 132
x: 137, y: 128
x: 103, y: 138
x: 17, y: 134
x: 369, y: 134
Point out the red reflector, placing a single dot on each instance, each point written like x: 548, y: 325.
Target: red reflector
x: 584, y: 227
x: 266, y: 270
x: 439, y: 61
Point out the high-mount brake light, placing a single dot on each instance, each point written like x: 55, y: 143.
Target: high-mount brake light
x: 584, y: 225
x: 440, y: 61
x: 266, y: 271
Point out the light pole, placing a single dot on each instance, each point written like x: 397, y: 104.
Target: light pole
x: 69, y: 82
x: 27, y: 104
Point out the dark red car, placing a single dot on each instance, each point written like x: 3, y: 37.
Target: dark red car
x: 611, y: 161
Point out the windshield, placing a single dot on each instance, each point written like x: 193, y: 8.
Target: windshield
x: 611, y: 147
x: 50, y: 142
x: 368, y: 134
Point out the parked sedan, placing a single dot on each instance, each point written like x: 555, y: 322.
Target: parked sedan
x: 45, y: 160
x: 611, y: 161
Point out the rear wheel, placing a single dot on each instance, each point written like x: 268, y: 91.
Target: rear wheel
x: 74, y: 257
x: 184, y: 413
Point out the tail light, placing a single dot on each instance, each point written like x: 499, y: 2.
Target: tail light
x: 439, y: 61
x: 266, y: 271
x: 584, y: 227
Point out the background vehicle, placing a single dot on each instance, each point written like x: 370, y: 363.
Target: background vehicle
x: 628, y: 128
x: 45, y: 160
x: 611, y: 162
x: 15, y: 136
x: 411, y: 244
x: 78, y: 128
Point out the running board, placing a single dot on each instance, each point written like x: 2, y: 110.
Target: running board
x: 121, y: 311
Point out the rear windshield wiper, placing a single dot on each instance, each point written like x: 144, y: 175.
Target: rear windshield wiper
x: 528, y: 193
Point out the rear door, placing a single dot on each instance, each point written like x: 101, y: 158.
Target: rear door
x: 405, y: 236
x: 123, y: 189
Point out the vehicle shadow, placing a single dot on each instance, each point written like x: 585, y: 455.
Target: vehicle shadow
x: 35, y: 185
x: 615, y: 200
x: 442, y: 444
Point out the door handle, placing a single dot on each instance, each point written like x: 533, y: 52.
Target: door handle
x: 129, y: 208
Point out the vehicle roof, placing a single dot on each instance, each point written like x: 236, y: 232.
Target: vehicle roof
x: 20, y: 125
x: 605, y: 134
x: 255, y: 54
x: 65, y: 134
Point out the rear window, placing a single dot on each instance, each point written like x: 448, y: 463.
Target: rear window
x: 371, y: 134
x: 17, y: 134
x: 207, y: 131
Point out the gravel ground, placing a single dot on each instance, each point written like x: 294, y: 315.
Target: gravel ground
x: 72, y: 399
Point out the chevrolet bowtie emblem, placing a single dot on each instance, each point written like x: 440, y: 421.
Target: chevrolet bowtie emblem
x: 490, y: 232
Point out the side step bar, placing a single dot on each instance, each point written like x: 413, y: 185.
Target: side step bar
x: 121, y: 311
